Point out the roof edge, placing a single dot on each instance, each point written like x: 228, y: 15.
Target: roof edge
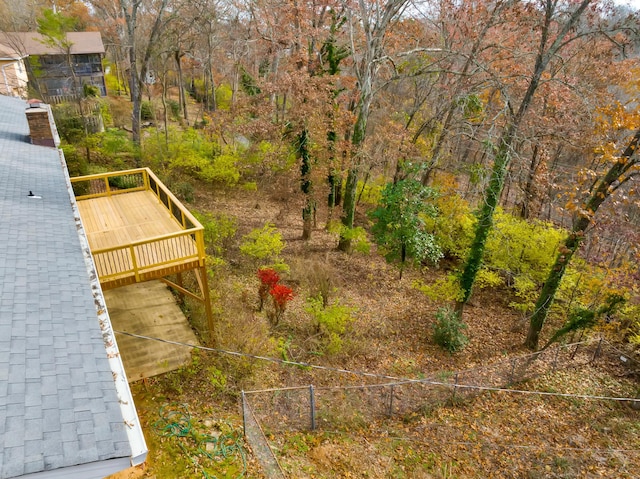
x: 90, y: 470
x: 139, y: 449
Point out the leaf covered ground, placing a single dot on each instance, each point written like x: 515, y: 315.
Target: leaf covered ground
x: 494, y: 434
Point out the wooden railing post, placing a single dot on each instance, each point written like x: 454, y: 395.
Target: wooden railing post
x: 134, y: 262
x: 145, y: 178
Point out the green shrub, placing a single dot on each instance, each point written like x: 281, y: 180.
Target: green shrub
x: 191, y: 153
x: 358, y: 236
x: 90, y: 91
x: 447, y: 330
x: 370, y: 193
x: 274, y: 156
x: 174, y: 109
x: 222, y: 169
x: 219, y: 229
x: 146, y: 111
x: 198, y: 90
x: 331, y: 322
x: 69, y: 123
x: 224, y: 94
x: 105, y: 111
x: 183, y: 190
x: 488, y: 279
x: 443, y: 289
x: 76, y: 162
x: 114, y: 142
x: 522, y: 247
x: 454, y: 224
x: 264, y: 244
x: 399, y: 223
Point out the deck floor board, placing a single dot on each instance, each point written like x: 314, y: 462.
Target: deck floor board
x: 122, y: 219
x: 149, y: 309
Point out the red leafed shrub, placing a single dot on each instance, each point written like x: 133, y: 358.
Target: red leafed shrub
x: 281, y: 295
x: 268, y: 279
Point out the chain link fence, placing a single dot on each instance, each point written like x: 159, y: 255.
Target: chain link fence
x: 309, y: 408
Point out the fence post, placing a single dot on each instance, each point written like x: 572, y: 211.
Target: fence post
x: 575, y: 351
x: 244, y: 415
x: 555, y: 359
x: 391, y: 401
x: 596, y: 353
x: 513, y: 368
x: 455, y: 387
x: 312, y: 407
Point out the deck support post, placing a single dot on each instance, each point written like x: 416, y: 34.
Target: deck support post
x: 206, y: 297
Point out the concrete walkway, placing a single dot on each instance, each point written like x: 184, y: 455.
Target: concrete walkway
x: 149, y: 309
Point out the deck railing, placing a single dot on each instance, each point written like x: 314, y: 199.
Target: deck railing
x: 148, y: 256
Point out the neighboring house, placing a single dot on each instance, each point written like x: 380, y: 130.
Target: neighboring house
x: 13, y: 72
x: 66, y: 410
x: 50, y: 66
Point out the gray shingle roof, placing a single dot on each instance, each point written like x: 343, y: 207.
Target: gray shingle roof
x: 33, y: 43
x: 58, y: 401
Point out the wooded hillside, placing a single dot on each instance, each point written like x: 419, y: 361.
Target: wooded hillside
x: 406, y: 189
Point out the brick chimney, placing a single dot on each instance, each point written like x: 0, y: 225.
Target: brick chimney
x: 41, y: 124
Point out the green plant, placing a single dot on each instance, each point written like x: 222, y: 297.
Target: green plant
x: 447, y: 330
x: 224, y: 94
x: 114, y: 142
x: 219, y: 229
x: 90, y: 91
x: 331, y: 321
x: 262, y: 244
x: 370, y: 193
x: 443, y: 289
x: 217, y: 378
x: 113, y: 84
x: 399, y: 227
x: 146, y: 111
x: 124, y: 182
x: 282, y: 346
x: 174, y: 108
x: 198, y: 91
x: 184, y: 190
x: 76, y: 163
x: 105, y: 112
x: 357, y: 235
x: 222, y: 169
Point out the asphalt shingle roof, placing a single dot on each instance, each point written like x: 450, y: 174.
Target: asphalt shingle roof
x: 58, y: 403
x: 33, y: 43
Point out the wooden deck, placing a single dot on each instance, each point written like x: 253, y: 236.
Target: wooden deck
x: 139, y: 231
x: 122, y: 219
x: 134, y: 237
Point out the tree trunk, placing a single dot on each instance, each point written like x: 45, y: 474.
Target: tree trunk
x: 485, y: 221
x: 587, y: 211
x: 503, y: 153
x: 374, y: 25
x: 182, y: 98
x: 349, y: 200
x: 444, y: 130
x: 130, y: 12
x: 525, y: 208
x: 305, y: 183
x: 349, y: 208
x: 165, y: 115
